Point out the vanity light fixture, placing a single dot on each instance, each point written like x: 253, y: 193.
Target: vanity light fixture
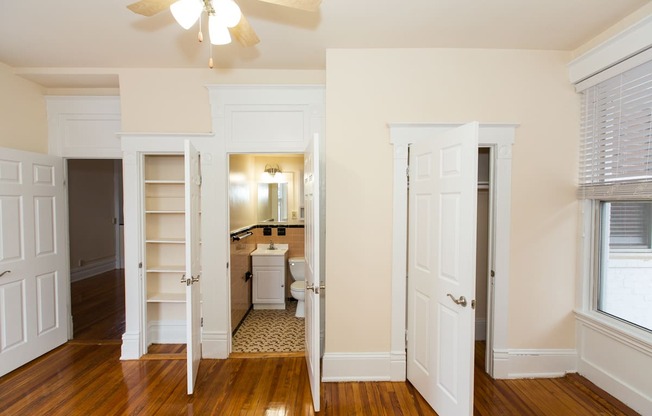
x: 272, y: 169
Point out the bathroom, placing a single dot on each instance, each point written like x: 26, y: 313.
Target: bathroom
x: 266, y: 210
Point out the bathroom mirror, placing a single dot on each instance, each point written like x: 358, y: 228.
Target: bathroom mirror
x: 272, y: 202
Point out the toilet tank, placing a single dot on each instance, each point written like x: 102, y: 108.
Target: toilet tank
x: 297, y: 268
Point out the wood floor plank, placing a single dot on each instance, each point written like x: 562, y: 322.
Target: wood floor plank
x: 84, y: 378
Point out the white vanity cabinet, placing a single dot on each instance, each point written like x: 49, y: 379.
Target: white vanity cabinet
x: 269, y: 278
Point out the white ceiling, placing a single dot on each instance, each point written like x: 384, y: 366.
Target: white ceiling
x: 105, y: 34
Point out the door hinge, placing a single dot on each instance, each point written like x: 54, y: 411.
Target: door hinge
x: 227, y: 264
x: 140, y: 265
x: 407, y: 171
x: 201, y: 322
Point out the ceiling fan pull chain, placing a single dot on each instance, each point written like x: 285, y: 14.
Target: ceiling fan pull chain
x: 200, y: 35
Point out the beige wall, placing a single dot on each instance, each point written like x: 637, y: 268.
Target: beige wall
x: 176, y: 100
x: 366, y: 89
x: 91, y: 209
x: 23, y: 118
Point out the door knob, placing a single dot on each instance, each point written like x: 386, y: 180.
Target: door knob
x: 5, y: 272
x: 461, y: 301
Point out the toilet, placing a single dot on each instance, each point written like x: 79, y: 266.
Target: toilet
x: 298, y: 287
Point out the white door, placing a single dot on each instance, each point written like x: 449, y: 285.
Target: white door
x: 34, y: 272
x: 441, y: 269
x: 193, y: 264
x: 312, y: 255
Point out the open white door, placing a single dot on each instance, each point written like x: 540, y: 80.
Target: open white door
x: 312, y: 255
x: 33, y: 257
x: 441, y: 269
x: 193, y: 306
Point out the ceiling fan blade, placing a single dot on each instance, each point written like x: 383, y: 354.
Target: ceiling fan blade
x: 244, y: 33
x: 150, y: 7
x: 308, y: 5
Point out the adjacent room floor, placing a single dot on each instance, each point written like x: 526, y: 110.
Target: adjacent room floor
x: 269, y: 330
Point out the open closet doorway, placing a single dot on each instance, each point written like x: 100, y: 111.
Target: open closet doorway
x: 266, y: 252
x: 95, y: 230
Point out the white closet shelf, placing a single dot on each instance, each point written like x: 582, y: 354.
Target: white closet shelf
x: 164, y: 182
x: 166, y: 269
x: 167, y: 211
x: 166, y: 240
x: 167, y: 298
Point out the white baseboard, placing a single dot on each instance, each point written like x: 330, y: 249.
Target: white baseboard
x: 397, y: 365
x: 92, y: 269
x: 215, y: 345
x: 130, y: 346
x: 480, y: 329
x: 166, y: 332
x: 364, y: 366
x: 514, y: 363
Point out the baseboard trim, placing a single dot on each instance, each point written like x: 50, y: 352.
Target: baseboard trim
x: 166, y: 332
x: 397, y: 365
x: 215, y: 344
x: 130, y: 346
x: 92, y: 269
x: 364, y: 366
x: 539, y: 363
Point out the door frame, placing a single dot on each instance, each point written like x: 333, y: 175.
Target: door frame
x: 500, y: 138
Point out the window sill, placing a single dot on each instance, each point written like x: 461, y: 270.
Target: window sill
x: 633, y: 337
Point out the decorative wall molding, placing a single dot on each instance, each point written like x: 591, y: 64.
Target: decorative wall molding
x: 267, y: 118
x: 534, y: 363
x: 84, y: 126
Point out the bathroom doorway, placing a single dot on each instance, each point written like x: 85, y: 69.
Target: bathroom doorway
x: 265, y: 209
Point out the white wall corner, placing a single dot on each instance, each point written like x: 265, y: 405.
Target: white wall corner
x: 130, y: 346
x: 513, y: 363
x: 214, y: 345
x: 363, y: 366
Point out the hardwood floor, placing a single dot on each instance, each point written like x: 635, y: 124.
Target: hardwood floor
x: 78, y: 379
x: 98, y: 307
x: 87, y: 378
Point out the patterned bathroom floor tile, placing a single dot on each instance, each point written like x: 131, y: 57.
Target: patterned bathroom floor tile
x: 270, y: 330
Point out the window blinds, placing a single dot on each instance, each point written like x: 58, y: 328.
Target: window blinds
x: 616, y: 137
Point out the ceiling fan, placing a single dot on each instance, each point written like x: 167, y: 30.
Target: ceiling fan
x: 225, y: 20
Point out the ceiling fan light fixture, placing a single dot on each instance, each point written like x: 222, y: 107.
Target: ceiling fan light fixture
x: 228, y: 12
x: 187, y: 12
x: 218, y: 32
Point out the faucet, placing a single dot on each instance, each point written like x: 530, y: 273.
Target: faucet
x: 271, y: 246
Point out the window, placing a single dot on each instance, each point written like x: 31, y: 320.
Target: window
x: 616, y: 176
x: 625, y: 269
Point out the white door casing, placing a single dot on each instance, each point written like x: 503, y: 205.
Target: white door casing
x: 312, y: 256
x: 34, y: 284
x: 193, y: 263
x: 441, y: 269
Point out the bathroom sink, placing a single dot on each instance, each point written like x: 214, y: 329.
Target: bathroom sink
x: 264, y: 250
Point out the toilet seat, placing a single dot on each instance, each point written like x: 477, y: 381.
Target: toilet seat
x: 299, y: 286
